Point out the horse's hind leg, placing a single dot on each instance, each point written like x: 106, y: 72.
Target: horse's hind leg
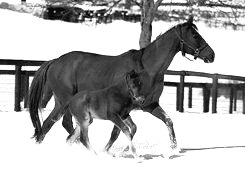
x: 53, y: 117
x: 47, y: 94
x: 67, y: 122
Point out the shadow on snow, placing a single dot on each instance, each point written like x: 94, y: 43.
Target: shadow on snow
x: 181, y: 153
x: 185, y: 150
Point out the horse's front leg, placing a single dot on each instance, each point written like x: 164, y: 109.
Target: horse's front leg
x: 114, y: 135
x: 116, y: 131
x: 158, y: 112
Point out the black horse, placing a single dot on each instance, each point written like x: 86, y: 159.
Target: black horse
x: 112, y: 103
x: 78, y: 71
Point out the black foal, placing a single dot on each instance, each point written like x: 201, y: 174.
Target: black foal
x: 113, y: 103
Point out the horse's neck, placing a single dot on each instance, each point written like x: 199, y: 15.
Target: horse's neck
x: 160, y: 53
x: 120, y: 88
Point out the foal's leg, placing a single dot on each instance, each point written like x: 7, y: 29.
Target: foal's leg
x: 129, y: 122
x: 84, y: 138
x: 84, y: 123
x: 123, y: 127
x: 116, y: 131
x: 161, y: 114
x: 114, y: 135
x: 75, y: 135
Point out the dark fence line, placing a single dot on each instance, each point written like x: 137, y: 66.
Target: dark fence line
x: 209, y: 89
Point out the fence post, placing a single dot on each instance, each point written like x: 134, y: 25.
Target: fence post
x: 190, y: 97
x: 235, y: 98
x: 177, y: 97
x: 181, y: 92
x: 231, y: 99
x: 214, y: 93
x: 243, y: 99
x: 26, y: 88
x: 206, y: 98
x: 17, y: 97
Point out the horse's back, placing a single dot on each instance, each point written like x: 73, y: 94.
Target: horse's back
x: 77, y: 71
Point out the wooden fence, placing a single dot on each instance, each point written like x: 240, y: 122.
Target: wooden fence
x: 210, y: 90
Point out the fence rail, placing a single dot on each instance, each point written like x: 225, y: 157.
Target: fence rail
x: 210, y: 90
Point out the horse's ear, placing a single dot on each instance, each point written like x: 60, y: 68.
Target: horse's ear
x: 190, y: 20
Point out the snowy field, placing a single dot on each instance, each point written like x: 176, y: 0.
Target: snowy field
x: 212, y: 145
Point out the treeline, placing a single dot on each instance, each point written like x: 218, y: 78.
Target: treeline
x: 222, y: 17
x: 102, y: 15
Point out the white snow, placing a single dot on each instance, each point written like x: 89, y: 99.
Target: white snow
x: 213, y: 145
x: 212, y: 148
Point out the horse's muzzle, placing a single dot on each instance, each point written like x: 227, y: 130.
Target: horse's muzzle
x: 210, y: 58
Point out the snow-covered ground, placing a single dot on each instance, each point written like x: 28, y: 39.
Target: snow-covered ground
x: 212, y: 145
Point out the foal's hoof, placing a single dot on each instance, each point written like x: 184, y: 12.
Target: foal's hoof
x: 107, y: 153
x: 126, y: 149
x: 39, y: 139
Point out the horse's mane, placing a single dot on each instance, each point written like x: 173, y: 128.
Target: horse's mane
x: 190, y: 25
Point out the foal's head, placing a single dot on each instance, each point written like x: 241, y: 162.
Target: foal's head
x: 134, y: 86
x: 191, y: 42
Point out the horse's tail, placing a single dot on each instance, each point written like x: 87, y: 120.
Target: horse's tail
x: 35, y: 96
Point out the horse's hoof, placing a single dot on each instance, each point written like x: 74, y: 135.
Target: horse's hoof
x: 173, y: 153
x: 39, y: 139
x: 176, y: 151
x: 126, y: 149
x: 173, y: 146
x: 139, y: 159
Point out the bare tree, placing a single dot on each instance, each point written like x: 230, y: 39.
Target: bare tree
x: 148, y: 11
x: 128, y: 4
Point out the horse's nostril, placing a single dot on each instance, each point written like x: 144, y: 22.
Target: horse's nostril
x: 211, y: 59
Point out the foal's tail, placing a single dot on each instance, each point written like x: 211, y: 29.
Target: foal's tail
x: 35, y: 96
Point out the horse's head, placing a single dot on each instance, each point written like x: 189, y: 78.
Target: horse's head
x: 134, y: 86
x: 191, y: 42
